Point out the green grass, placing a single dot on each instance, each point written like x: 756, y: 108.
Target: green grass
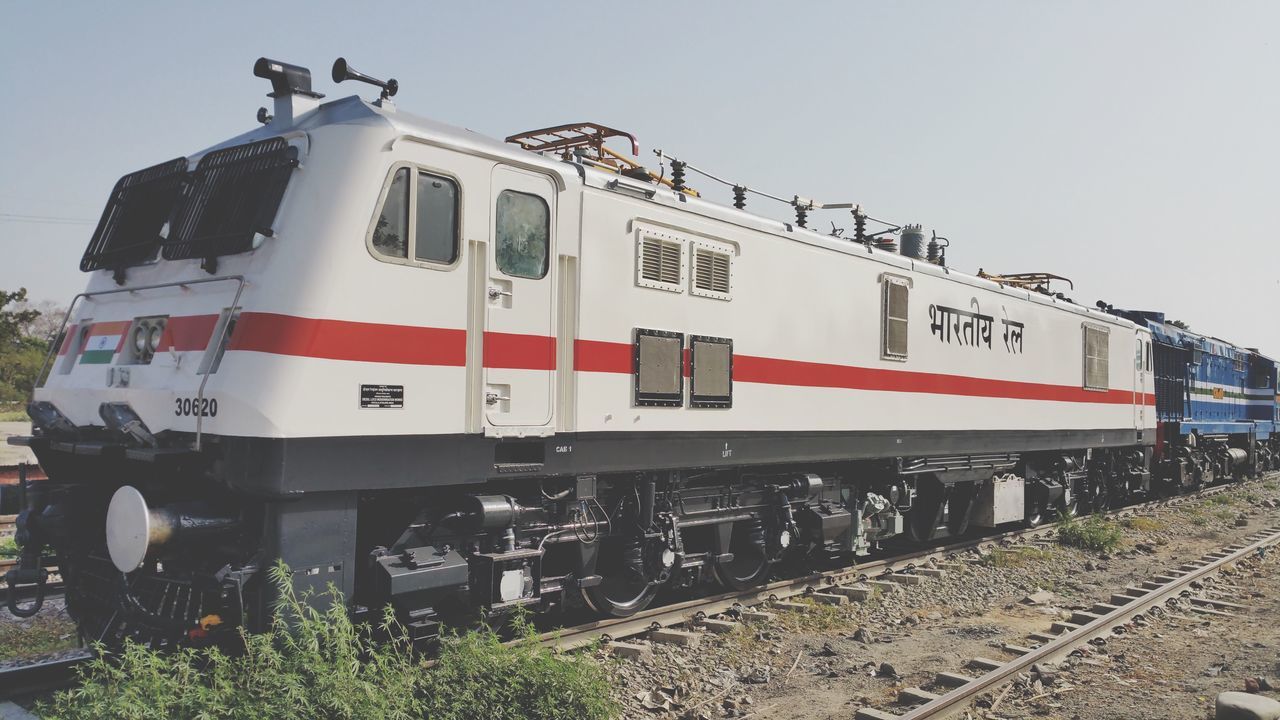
x: 820, y: 617
x: 8, y: 548
x: 1016, y: 558
x: 45, y: 633
x: 476, y: 676
x: 1144, y: 524
x: 1092, y: 533
x: 1271, y: 485
x: 1224, y: 514
x: 15, y: 414
x: 1197, y: 518
x: 318, y: 664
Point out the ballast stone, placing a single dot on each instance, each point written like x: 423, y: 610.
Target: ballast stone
x: 631, y: 651
x: 675, y: 637
x: 1243, y: 706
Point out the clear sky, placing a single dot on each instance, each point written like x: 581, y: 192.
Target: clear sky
x: 1130, y: 146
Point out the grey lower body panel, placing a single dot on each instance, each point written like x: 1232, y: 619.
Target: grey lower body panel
x: 293, y: 465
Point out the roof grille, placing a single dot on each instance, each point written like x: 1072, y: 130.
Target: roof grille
x: 660, y: 260
x: 234, y: 196
x: 711, y: 271
x: 129, y: 231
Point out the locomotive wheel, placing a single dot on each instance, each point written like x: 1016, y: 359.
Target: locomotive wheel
x: 750, y: 565
x: 1068, y: 509
x: 1100, y: 499
x: 621, y: 592
x: 618, y: 596
x: 1035, y: 514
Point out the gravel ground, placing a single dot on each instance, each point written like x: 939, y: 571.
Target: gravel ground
x: 49, y: 634
x: 1176, y: 665
x: 828, y: 662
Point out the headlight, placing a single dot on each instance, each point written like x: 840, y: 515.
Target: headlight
x: 140, y: 340
x: 153, y: 338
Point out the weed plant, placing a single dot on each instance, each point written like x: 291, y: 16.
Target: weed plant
x: 1144, y: 524
x: 1092, y: 533
x: 13, y: 412
x: 1004, y: 558
x: 315, y: 663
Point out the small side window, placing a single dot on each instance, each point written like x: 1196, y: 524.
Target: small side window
x: 1148, y: 356
x: 1096, y: 358
x: 391, y: 234
x: 658, y: 367
x: 418, y: 221
x: 435, y: 239
x: 893, y: 334
x: 523, y: 230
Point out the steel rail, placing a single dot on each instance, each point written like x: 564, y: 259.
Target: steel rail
x: 40, y: 676
x: 679, y: 613
x: 958, y: 698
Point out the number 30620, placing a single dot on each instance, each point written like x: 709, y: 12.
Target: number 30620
x: 190, y: 407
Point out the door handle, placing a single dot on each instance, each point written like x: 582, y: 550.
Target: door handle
x: 492, y: 398
x: 495, y: 293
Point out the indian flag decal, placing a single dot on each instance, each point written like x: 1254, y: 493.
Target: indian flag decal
x: 104, y: 341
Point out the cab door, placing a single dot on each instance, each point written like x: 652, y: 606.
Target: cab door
x: 519, y: 334
x: 1141, y: 380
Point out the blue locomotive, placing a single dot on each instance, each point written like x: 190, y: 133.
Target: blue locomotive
x: 1217, y: 405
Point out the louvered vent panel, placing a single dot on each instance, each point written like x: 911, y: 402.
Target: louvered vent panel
x: 129, y: 232
x: 711, y: 271
x: 235, y: 193
x: 660, y: 261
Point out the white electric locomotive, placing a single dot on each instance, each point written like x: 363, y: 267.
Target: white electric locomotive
x: 446, y: 372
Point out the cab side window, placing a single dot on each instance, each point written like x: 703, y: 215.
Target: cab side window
x: 391, y: 234
x: 436, y: 236
x: 418, y: 221
x: 523, y: 233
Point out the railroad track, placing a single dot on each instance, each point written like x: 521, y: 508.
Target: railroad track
x: 10, y: 474
x: 54, y: 588
x: 1083, y: 627
x: 40, y: 676
x: 831, y: 586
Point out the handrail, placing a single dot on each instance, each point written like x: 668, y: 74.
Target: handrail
x: 43, y: 378
x: 217, y: 346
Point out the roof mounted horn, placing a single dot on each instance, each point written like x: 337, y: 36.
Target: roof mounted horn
x: 342, y: 71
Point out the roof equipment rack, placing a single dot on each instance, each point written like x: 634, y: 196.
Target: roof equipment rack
x: 586, y: 141
x: 1038, y: 282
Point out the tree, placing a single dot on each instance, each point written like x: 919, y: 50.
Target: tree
x: 49, y: 320
x: 21, y: 353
